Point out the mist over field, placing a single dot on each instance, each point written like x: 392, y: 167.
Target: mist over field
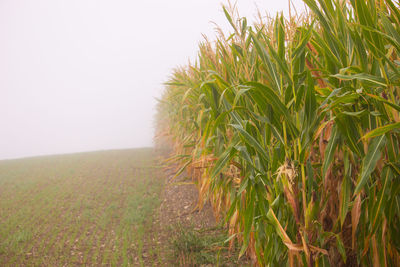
x: 84, y: 75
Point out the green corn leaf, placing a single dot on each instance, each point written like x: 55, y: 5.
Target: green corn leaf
x: 381, y: 130
x: 281, y: 61
x: 279, y: 229
x: 310, y: 100
x: 381, y: 200
x: 378, y: 81
x: 266, y: 59
x: 242, y: 90
x: 341, y: 248
x: 394, y: 9
x: 330, y: 150
x: 380, y: 99
x: 238, y: 49
x: 302, y: 44
x: 328, y: 50
x: 182, y: 169
x: 219, y: 121
x: 280, y: 36
x: 349, y: 132
x: 270, y: 96
x: 229, y: 18
x: 345, y: 195
x: 249, y: 139
x: 248, y: 219
x: 276, y: 103
x: 244, y: 27
x: 223, y: 160
x: 245, y: 154
x: 370, y: 160
x: 355, y: 113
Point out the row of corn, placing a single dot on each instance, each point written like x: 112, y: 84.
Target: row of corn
x: 291, y: 128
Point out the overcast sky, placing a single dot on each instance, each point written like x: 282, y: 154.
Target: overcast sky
x: 82, y: 75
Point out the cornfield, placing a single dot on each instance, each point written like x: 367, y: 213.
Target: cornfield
x: 291, y: 128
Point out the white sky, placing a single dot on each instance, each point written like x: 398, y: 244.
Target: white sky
x: 81, y: 75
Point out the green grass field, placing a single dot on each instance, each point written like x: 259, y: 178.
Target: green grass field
x: 80, y: 209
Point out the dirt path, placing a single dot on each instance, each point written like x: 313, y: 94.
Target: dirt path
x: 178, y: 214
x: 178, y: 211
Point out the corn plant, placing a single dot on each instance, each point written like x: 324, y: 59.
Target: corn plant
x: 291, y: 129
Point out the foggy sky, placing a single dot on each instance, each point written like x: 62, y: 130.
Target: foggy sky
x: 82, y: 75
